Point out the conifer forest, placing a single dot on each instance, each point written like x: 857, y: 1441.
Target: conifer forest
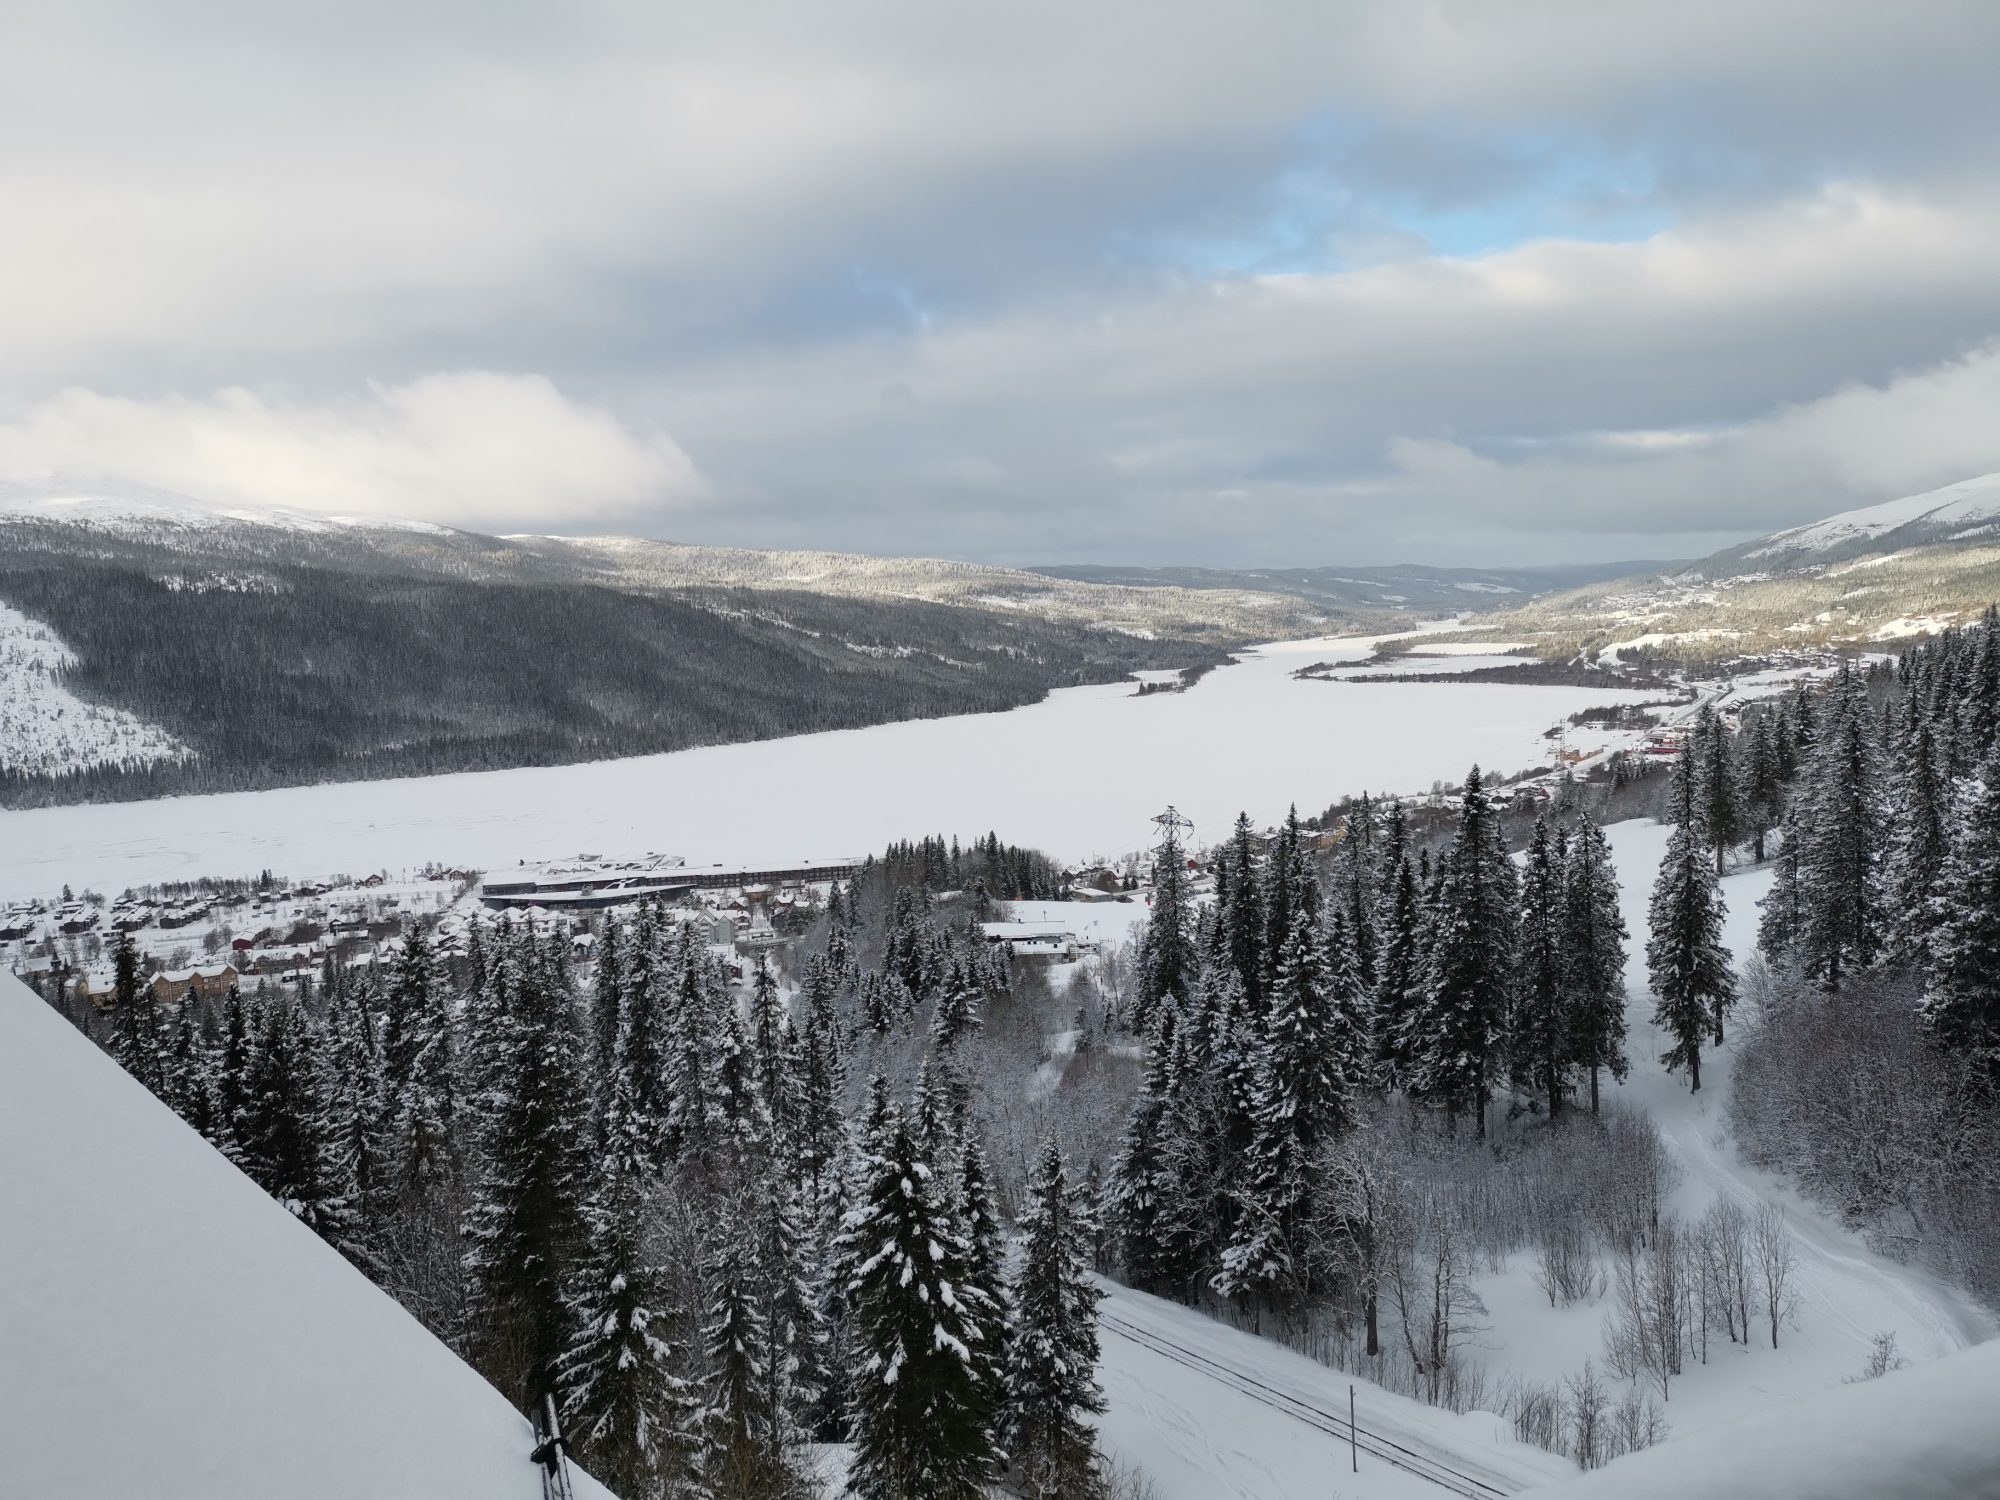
x: 722, y: 1220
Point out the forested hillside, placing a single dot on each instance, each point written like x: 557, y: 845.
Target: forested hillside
x: 298, y: 673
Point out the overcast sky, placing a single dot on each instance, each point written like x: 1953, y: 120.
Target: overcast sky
x: 1236, y: 284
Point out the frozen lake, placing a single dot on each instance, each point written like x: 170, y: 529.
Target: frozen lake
x: 1077, y: 774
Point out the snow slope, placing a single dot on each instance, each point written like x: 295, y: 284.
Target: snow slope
x: 1078, y: 774
x: 1211, y: 1413
x: 168, y: 1331
x: 46, y: 728
x: 1944, y: 511
x: 143, y: 513
x: 1924, y: 1433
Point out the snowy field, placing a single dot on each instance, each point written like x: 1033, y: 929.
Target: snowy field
x: 1078, y: 774
x: 1201, y: 1435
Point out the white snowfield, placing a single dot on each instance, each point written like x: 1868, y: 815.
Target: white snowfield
x: 168, y: 1332
x: 1077, y: 774
x: 1929, y: 1432
x: 1952, y: 508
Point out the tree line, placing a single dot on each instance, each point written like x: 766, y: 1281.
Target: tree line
x: 668, y: 1200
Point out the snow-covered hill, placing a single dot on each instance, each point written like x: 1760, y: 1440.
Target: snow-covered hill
x: 168, y: 1331
x: 143, y: 513
x: 45, y: 729
x: 1972, y: 506
x: 1923, y: 1433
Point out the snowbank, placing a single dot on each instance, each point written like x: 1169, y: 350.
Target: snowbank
x: 1929, y: 1432
x: 168, y: 1331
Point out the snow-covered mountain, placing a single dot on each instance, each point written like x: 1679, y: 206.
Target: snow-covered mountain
x: 1881, y: 573
x: 142, y: 513
x: 167, y: 1330
x: 1970, y: 508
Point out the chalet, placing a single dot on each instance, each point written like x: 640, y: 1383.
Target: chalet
x: 206, y: 980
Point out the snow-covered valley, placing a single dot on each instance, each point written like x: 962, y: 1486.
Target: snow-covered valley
x: 1077, y: 774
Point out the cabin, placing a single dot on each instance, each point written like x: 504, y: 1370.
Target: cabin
x: 210, y: 981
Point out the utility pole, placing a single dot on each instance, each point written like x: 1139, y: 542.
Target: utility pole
x: 1353, y: 1438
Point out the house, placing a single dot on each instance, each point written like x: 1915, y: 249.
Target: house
x: 1033, y: 940
x: 206, y: 980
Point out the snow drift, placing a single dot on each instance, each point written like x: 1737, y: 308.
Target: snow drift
x: 1924, y: 1433
x: 168, y: 1331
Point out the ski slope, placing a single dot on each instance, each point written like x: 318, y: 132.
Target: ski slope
x: 169, y: 1332
x: 1079, y: 774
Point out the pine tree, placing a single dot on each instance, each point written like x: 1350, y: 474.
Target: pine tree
x: 525, y: 1227
x: 356, y: 1136
x: 1240, y: 915
x: 1962, y: 1005
x: 1688, y: 964
x: 917, y: 1403
x: 624, y: 1403
x: 232, y: 1072
x: 1593, y: 937
x: 1052, y: 1353
x: 607, y: 990
x: 1760, y: 781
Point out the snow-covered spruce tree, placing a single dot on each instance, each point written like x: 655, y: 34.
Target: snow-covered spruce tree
x: 639, y: 1103
x: 1167, y: 957
x: 918, y: 1430
x: 525, y: 1226
x: 1593, y: 937
x: 356, y: 1138
x: 820, y: 1138
x: 138, y: 1038
x: 190, y: 1075
x: 1452, y: 1035
x: 1685, y: 957
x: 742, y: 1437
x: 1716, y: 780
x: 984, y: 1289
x: 1240, y: 913
x: 1542, y: 1037
x: 1050, y: 1373
x: 1315, y: 1049
x: 282, y: 1125
x: 1760, y: 781
x: 773, y: 1059
x: 424, y: 1103
x: 1962, y: 1005
x: 1142, y: 1181
x: 1920, y: 839
x: 1399, y: 971
x: 608, y: 980
x: 1839, y: 869
x: 625, y: 1404
x: 232, y: 1072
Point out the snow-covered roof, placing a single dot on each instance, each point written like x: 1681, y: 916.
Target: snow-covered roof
x: 171, y: 1332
